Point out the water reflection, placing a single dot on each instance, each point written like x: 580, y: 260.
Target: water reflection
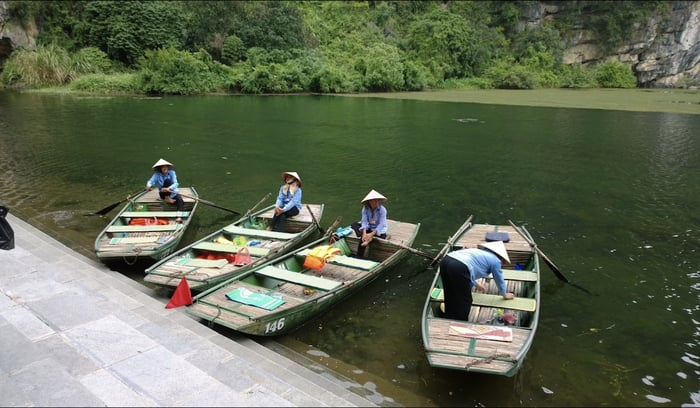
x: 610, y: 196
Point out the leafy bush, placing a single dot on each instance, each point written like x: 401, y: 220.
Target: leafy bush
x: 614, y: 74
x: 576, y: 76
x: 92, y: 60
x: 383, y: 69
x: 233, y: 50
x: 169, y: 71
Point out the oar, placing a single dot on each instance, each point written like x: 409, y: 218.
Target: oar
x: 450, y: 241
x: 313, y: 217
x: 112, y: 206
x: 549, y: 263
x: 250, y: 211
x: 406, y: 247
x: 209, y: 203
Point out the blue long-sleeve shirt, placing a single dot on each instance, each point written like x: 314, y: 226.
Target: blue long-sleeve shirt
x: 481, y: 263
x: 374, y: 219
x: 168, y: 180
x: 286, y: 200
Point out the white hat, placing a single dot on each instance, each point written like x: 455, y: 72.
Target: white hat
x: 162, y: 162
x: 497, y: 248
x: 293, y: 174
x: 373, y: 195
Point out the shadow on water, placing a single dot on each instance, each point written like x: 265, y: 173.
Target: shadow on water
x: 611, y: 197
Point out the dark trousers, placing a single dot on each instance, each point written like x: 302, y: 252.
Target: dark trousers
x: 361, y: 249
x: 179, y: 202
x: 457, y: 287
x: 278, y: 221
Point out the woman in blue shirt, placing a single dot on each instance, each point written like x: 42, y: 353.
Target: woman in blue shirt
x: 373, y: 222
x: 165, y: 179
x: 460, y: 270
x: 288, y: 202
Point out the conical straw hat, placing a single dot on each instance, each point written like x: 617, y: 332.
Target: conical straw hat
x: 373, y: 195
x: 162, y: 162
x: 293, y: 174
x: 497, y: 248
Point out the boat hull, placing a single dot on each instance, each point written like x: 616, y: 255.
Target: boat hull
x: 499, y: 333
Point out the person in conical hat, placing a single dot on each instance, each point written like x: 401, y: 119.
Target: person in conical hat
x: 288, y: 202
x: 165, y: 179
x: 461, y: 269
x: 373, y: 221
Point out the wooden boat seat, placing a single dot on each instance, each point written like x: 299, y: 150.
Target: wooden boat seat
x: 144, y: 228
x: 214, y: 246
x: 483, y: 299
x: 203, y: 263
x: 233, y: 229
x: 298, y: 278
x: 510, y: 274
x: 133, y: 240
x: 149, y: 214
x: 357, y: 263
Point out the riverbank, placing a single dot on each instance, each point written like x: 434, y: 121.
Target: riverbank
x: 639, y: 100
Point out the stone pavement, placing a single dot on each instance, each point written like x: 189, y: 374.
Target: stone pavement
x: 75, y: 333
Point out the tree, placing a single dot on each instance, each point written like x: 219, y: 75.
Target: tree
x: 126, y: 29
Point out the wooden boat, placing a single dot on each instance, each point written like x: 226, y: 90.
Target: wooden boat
x: 145, y: 228
x: 211, y: 260
x: 280, y: 296
x: 499, y: 333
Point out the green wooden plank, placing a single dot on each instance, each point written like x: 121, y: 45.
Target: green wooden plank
x: 483, y: 299
x: 144, y: 228
x: 149, y: 214
x: 519, y: 275
x: 233, y: 229
x: 203, y: 263
x: 215, y: 246
x: 299, y: 278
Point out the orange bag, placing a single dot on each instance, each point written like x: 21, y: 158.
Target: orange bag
x: 242, y: 257
x: 314, y: 262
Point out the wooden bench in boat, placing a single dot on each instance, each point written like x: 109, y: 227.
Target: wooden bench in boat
x: 298, y: 278
x: 357, y: 263
x: 233, y: 229
x: 144, y: 228
x: 483, y: 299
x: 232, y: 249
x: 133, y: 240
x: 203, y: 263
x: 528, y: 276
x: 149, y: 214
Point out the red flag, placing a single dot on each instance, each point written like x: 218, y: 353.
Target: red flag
x: 182, y: 295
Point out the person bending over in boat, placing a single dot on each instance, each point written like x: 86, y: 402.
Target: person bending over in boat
x: 165, y: 179
x: 373, y: 221
x: 288, y: 202
x: 460, y: 271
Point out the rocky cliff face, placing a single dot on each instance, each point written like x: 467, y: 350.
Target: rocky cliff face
x: 664, y: 51
x: 13, y: 34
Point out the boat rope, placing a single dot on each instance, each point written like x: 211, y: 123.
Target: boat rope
x: 218, y: 313
x: 489, y: 359
x: 136, y: 257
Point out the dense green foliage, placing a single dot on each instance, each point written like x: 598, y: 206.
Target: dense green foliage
x: 189, y: 47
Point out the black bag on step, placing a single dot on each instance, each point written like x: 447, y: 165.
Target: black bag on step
x: 7, y: 235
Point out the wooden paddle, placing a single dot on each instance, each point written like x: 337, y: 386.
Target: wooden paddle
x: 450, y: 241
x: 406, y: 247
x: 209, y: 203
x: 313, y: 217
x: 250, y: 211
x: 549, y: 263
x: 112, y: 206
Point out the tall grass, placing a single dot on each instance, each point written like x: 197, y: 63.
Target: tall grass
x: 48, y: 65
